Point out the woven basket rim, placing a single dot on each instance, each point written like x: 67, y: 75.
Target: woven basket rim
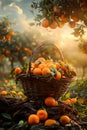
x: 46, y: 79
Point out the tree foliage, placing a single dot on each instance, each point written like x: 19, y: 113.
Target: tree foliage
x: 56, y: 13
x: 62, y: 10
x: 13, y: 45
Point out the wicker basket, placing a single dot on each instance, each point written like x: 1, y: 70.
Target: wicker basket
x: 41, y: 87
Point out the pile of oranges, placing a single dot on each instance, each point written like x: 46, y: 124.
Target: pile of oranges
x: 42, y: 115
x: 47, y: 67
x: 56, y: 69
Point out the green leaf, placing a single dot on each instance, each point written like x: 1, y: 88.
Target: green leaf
x: 67, y: 95
x: 7, y: 116
x: 21, y: 123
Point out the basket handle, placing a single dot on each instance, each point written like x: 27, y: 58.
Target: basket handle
x: 35, y: 49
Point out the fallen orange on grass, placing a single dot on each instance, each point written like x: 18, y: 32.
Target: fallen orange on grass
x: 33, y: 119
x: 42, y: 114
x: 51, y: 102
x: 50, y: 122
x: 73, y: 100
x: 67, y: 101
x: 64, y: 119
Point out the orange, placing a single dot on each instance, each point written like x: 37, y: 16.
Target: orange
x: 25, y: 49
x: 24, y: 99
x: 57, y: 65
x: 73, y: 100
x: 5, y: 80
x: 58, y: 76
x: 67, y: 101
x: 60, y: 24
x: 7, y: 53
x: 42, y: 59
x: 45, y: 23
x: 32, y: 65
x: 3, y: 93
x: 74, y: 17
x: 41, y: 66
x: 37, y: 71
x: 8, y: 36
x: 48, y: 61
x: 72, y: 24
x: 50, y: 122
x: 63, y: 67
x: 14, y: 87
x: 51, y: 102
x: 13, y: 92
x: 8, y: 24
x: 53, y: 25
x: 51, y: 65
x: 18, y: 48
x: 63, y: 18
x: 46, y: 71
x: 64, y: 119
x: 56, y: 103
x: 55, y: 9
x: 42, y: 114
x: 20, y: 93
x: 33, y: 119
x: 36, y: 63
x: 17, y: 70
x: 12, y: 33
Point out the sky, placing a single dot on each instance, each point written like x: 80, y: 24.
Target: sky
x: 17, y: 10
x: 20, y: 11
